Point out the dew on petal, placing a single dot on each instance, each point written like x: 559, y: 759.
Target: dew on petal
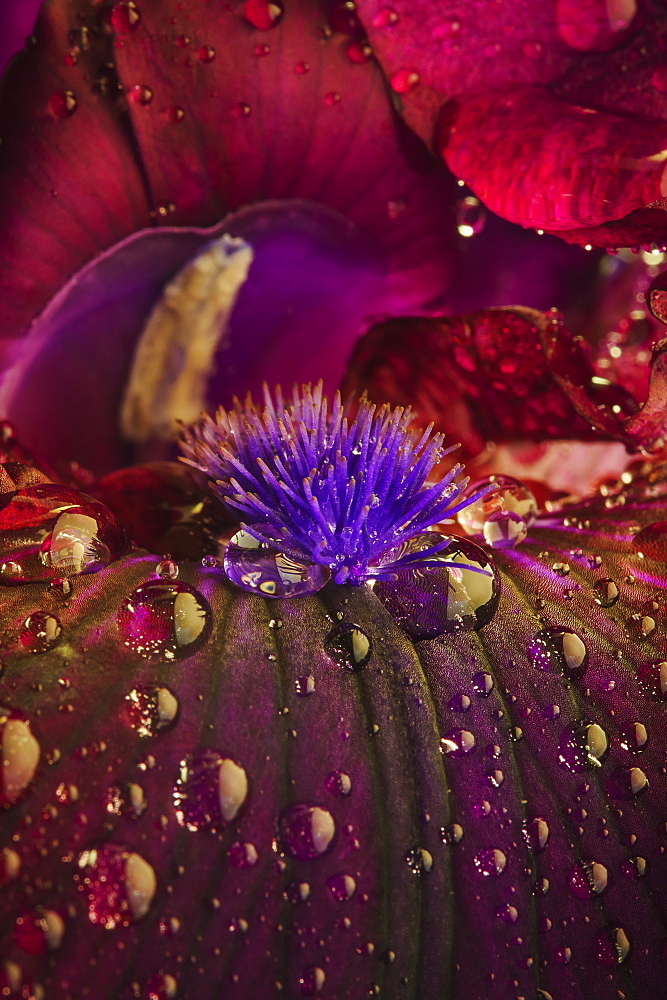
x: 312, y: 981
x: 263, y: 14
x: 502, y: 517
x: 651, y: 541
x: 63, y: 104
x: 242, y: 855
x: 457, y: 743
x: 349, y: 646
x: 19, y: 755
x: 39, y: 931
x: 627, y: 782
x: 583, y: 747
x: 470, y: 219
x: 118, y: 884
x: 452, y: 834
x: 10, y: 865
x: 256, y: 567
x: 306, y: 831
x: 206, y: 53
x: 338, y: 784
x: 605, y: 593
x: 210, y: 791
x: 490, y: 862
x: 634, y: 737
x: 140, y: 94
x: 342, y: 887
x: 126, y: 799
x: 41, y: 632
x: 652, y: 679
x: 560, y: 651
x: 536, y: 834
x: 458, y: 592
x: 482, y: 684
x: 634, y: 868
x: 167, y: 620
x: 305, y: 685
x: 125, y: 17
x: 613, y: 946
x: 404, y: 80
x: 47, y: 532
x: 588, y: 879
x: 419, y: 860
x: 151, y: 709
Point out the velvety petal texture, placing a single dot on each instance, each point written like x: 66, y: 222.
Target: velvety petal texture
x: 576, y: 90
x: 217, y: 803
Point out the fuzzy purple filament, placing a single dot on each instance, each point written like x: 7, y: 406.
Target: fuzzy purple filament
x: 325, y: 488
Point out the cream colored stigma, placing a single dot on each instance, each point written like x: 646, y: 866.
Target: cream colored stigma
x: 174, y: 357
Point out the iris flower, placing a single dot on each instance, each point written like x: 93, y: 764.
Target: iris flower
x: 354, y: 747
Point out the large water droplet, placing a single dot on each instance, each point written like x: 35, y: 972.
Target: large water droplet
x: 151, y: 709
x: 41, y: 632
x: 458, y: 592
x: 19, y: 755
x: 49, y: 531
x: 119, y: 885
x: 210, y: 791
x: 256, y: 567
x: 561, y: 651
x: 349, y: 646
x: 583, y: 747
x: 502, y: 517
x: 306, y: 831
x: 165, y: 619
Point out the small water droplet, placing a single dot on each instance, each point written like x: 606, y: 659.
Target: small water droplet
x: 41, y: 632
x: 263, y: 14
x: 168, y: 620
x: 613, y: 946
x: 588, y: 879
x: 502, y: 517
x: 457, y: 743
x: 359, y: 52
x: 258, y: 568
x: 470, y: 220
x: 342, y: 887
x: 385, y: 18
x: 210, y: 791
x: 297, y: 892
x: 349, y: 646
x: 634, y: 868
x: 175, y: 114
x: 338, y: 784
x: 634, y: 737
x: 332, y: 98
x: 126, y: 799
x: 242, y: 855
x: 312, y: 980
x: 640, y: 627
x: 151, y: 709
x: 482, y: 684
x: 490, y: 862
x: 125, y: 17
x: 167, y: 569
x: 10, y: 865
x: 419, y: 860
x: 605, y: 593
x: 560, y: 651
x: 652, y: 679
x: 452, y: 834
x: 119, y: 885
x: 460, y: 703
x: 583, y: 747
x: 39, y: 931
x: 627, y: 782
x: 404, y: 80
x: 306, y: 831
x: 206, y: 53
x: 63, y: 104
x: 140, y: 94
x: 536, y: 833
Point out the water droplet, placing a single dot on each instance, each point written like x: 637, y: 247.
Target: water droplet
x: 312, y: 981
x: 19, y: 755
x: 175, y: 114
x: 507, y: 913
x: 126, y: 799
x: 63, y: 104
x: 306, y: 831
x: 482, y: 684
x: 404, y: 80
x: 651, y: 541
x: 460, y: 703
x: 560, y: 651
x: 140, y: 94
x: 457, y: 743
x: 39, y: 931
x: 52, y: 531
x: 41, y: 632
x: 240, y: 110
x: 242, y: 855
x: 359, y: 52
x: 634, y: 868
x: 167, y: 569
x: 583, y: 747
x: 605, y: 593
x: 260, y: 569
x: 210, y: 792
x: 338, y: 784
x: 470, y: 219
x: 297, y: 892
x: 640, y: 627
x: 118, y: 884
x: 494, y: 778
x: 342, y: 887
x: 10, y: 865
x: 502, y: 517
x: 536, y: 833
x: 151, y: 709
x: 419, y: 860
x: 349, y: 646
x: 457, y: 592
x: 305, y: 685
x: 343, y: 18
x: 301, y: 68
x: 490, y: 862
x: 588, y: 879
x: 613, y: 946
x: 125, y: 17
x: 385, y: 18
x: 332, y: 98
x: 206, y: 53
x: 452, y: 834
x: 627, y: 782
x: 168, y: 620
x: 62, y: 587
x: 263, y: 14
x: 634, y: 737
x: 652, y: 679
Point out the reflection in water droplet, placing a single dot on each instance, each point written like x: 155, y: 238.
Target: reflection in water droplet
x: 635, y: 737
x: 457, y: 743
x: 256, y: 567
x: 536, y: 833
x: 349, y: 646
x: 490, y: 862
x: 588, y: 879
x: 151, y: 709
x: 651, y: 541
x: 457, y: 592
x: 168, y: 620
x: 341, y: 887
x: 583, y: 747
x: 652, y: 679
x: 119, y: 885
x: 306, y: 831
x: 210, y: 791
x: 501, y: 518
x: 605, y: 592
x: 19, y: 755
x: 560, y: 651
x: 41, y: 632
x: 47, y: 532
